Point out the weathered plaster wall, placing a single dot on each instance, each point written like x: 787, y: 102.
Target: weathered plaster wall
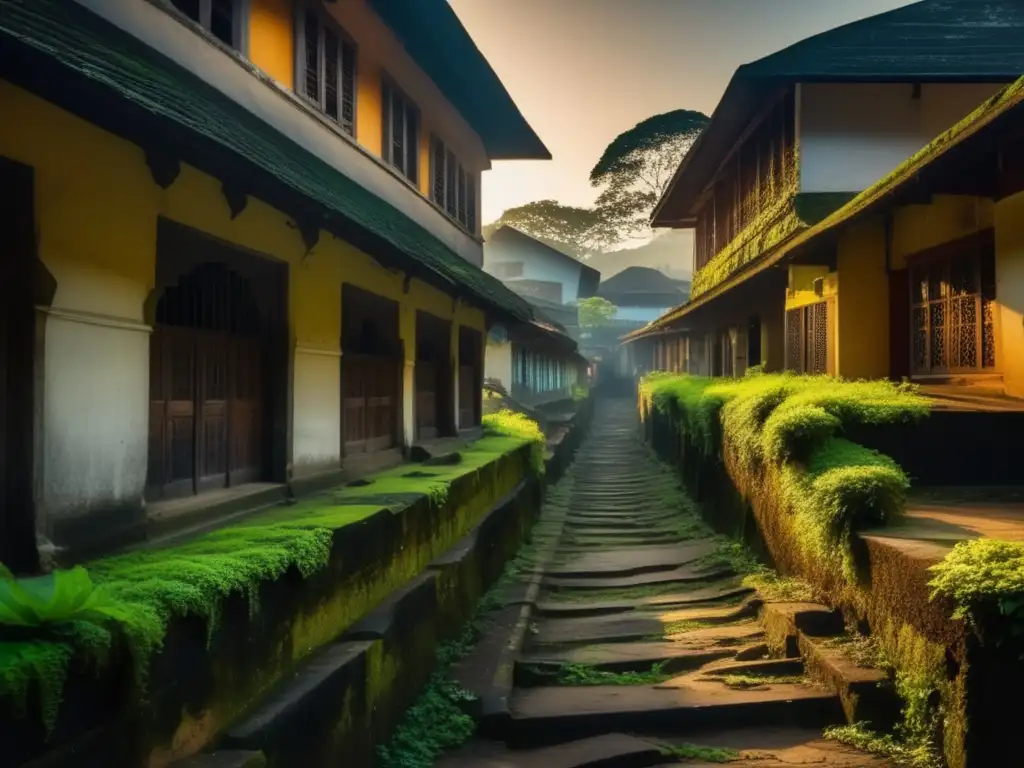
x: 862, y: 325
x: 1009, y: 220
x: 852, y: 135
x: 498, y: 363
x: 270, y: 98
x: 97, y: 211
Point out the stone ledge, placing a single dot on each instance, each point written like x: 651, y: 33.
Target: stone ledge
x: 201, y: 682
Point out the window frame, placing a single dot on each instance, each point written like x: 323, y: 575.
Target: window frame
x: 389, y: 91
x: 299, y: 81
x: 462, y: 185
x: 239, y: 23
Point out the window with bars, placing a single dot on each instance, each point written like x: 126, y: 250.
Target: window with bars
x: 221, y: 18
x: 809, y: 339
x: 452, y: 187
x: 401, y: 140
x: 953, y: 310
x: 326, y: 67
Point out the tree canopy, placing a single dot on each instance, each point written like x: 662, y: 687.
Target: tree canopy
x: 576, y: 231
x: 633, y: 172
x: 595, y: 312
x: 637, y: 166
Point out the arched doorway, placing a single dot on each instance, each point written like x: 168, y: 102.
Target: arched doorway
x: 218, y: 366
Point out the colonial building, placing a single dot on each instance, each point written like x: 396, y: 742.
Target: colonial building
x: 797, y: 136
x: 242, y: 251
x: 535, y: 269
x: 536, y: 363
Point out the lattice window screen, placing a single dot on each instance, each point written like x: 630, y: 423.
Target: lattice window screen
x: 794, y: 338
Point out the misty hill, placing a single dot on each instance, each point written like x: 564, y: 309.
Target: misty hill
x: 671, y: 253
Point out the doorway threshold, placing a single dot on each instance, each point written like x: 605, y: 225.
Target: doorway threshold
x: 171, y: 520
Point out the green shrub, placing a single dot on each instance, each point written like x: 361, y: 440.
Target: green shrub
x: 984, y: 575
x: 509, y: 423
x: 793, y: 425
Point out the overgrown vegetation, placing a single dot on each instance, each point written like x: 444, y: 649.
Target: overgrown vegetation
x: 900, y: 752
x: 585, y: 674
x: 740, y: 681
x: 984, y: 576
x: 697, y: 752
x: 768, y: 583
x: 792, y: 426
x: 136, y: 595
x: 510, y: 423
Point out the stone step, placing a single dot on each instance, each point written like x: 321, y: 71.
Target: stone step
x: 632, y: 561
x: 683, y: 575
x: 224, y: 759
x: 611, y: 750
x: 553, y: 608
x: 556, y: 714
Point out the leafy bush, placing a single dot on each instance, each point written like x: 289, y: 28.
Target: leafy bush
x: 60, y: 597
x: 983, y: 574
x: 793, y: 425
x: 509, y: 423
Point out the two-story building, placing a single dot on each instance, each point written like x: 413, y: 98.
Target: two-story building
x: 241, y: 243
x: 796, y: 136
x: 534, y: 269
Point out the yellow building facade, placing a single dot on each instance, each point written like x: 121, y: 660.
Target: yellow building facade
x: 229, y: 309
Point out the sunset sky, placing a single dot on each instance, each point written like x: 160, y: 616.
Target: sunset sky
x: 582, y: 71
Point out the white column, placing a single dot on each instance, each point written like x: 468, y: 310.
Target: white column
x: 409, y: 403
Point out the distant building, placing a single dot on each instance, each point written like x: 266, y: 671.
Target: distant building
x: 642, y: 294
x: 536, y: 270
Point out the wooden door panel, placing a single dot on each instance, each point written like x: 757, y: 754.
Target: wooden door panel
x: 212, y: 438
x: 246, y: 409
x: 467, y: 374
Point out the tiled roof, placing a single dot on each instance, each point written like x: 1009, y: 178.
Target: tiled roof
x: 929, y: 41
x: 433, y: 35
x: 80, y: 62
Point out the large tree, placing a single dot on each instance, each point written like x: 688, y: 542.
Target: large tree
x: 577, y: 231
x: 637, y: 166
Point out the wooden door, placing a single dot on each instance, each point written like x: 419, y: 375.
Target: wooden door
x: 172, y: 411
x: 427, y: 372
x: 213, y: 352
x: 353, y: 386
x: 369, y: 396
x: 246, y: 414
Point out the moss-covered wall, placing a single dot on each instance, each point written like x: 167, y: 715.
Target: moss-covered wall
x: 939, y: 663
x: 226, y: 643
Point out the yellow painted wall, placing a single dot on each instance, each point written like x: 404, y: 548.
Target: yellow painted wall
x: 800, y: 292
x: 918, y: 228
x: 97, y: 209
x: 862, y: 325
x: 272, y: 49
x: 271, y: 39
x: 1009, y: 230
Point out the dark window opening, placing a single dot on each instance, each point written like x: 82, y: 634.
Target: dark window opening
x: 221, y: 18
x: 400, y: 142
x: 452, y: 187
x: 328, y: 76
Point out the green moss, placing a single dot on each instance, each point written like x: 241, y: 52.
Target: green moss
x: 768, y: 583
x: 585, y: 674
x: 790, y: 425
x: 517, y: 426
x: 860, y: 736
x: 755, y: 681
x: 983, y: 574
x: 153, y: 586
x: 700, y: 753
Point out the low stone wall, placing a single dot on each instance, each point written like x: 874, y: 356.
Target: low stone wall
x: 892, y: 596
x: 201, y: 682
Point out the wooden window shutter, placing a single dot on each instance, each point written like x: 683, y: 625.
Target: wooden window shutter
x: 332, y: 55
x: 437, y: 160
x: 794, y: 340
x: 412, y: 142
x: 385, y: 100
x: 471, y: 203
x: 311, y: 78
x: 462, y: 195
x: 451, y: 186
x: 830, y: 312
x: 348, y: 87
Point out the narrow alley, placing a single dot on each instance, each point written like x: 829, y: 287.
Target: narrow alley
x: 642, y: 645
